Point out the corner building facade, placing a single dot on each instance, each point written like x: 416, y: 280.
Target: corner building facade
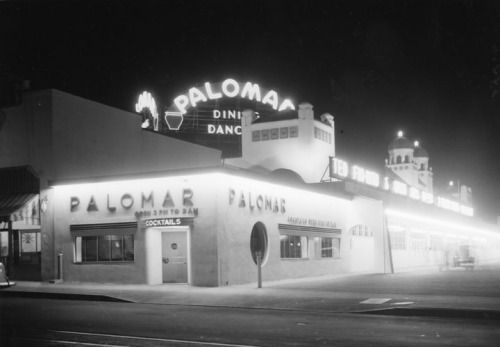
x: 204, y: 228
x: 125, y: 205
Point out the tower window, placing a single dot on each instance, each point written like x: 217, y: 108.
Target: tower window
x: 398, y: 159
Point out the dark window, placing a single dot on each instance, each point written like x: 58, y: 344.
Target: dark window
x: 292, y: 247
x: 104, y: 248
x: 258, y: 242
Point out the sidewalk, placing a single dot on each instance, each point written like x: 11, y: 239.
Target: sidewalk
x: 452, y: 293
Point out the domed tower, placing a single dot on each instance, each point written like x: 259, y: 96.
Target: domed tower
x: 421, y: 159
x: 410, y: 163
x: 401, y: 159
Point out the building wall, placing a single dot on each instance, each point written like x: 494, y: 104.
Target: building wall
x: 226, y: 211
x: 237, y: 220
x: 368, y: 252
x: 104, y: 201
x: 91, y: 140
x: 65, y: 137
x: 305, y: 154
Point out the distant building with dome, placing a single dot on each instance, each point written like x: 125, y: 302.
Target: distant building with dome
x: 409, y: 162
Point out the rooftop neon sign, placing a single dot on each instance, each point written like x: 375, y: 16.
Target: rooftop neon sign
x: 147, y: 101
x: 231, y: 88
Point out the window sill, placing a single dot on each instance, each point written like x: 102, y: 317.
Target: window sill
x: 104, y: 262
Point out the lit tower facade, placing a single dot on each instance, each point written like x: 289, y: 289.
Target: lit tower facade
x: 421, y: 159
x: 410, y: 163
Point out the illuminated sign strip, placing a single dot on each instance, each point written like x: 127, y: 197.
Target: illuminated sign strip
x: 357, y: 173
x: 340, y: 168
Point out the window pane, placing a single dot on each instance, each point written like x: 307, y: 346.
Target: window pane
x: 293, y: 247
x: 89, y: 245
x: 326, y: 247
x: 275, y: 133
x: 264, y: 135
x: 116, y: 247
x: 283, y: 133
x: 128, y: 247
x: 256, y: 135
x: 103, y: 248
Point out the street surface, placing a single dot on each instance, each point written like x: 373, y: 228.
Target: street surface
x: 42, y: 322
x: 428, y: 308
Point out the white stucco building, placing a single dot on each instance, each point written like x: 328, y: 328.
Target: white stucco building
x: 87, y: 191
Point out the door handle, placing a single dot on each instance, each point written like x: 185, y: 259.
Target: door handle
x: 165, y: 260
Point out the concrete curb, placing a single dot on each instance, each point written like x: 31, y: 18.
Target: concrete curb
x: 61, y: 296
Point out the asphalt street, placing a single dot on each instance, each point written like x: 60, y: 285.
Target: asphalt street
x: 428, y: 307
x: 39, y: 322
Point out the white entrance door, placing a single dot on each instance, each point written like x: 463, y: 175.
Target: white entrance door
x: 174, y: 257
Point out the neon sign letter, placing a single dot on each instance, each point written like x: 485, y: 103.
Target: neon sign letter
x: 181, y: 102
x: 195, y: 96
x: 271, y: 98
x: 211, y: 95
x: 253, y: 90
x: 226, y: 90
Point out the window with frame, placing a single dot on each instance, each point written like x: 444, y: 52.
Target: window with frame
x: 293, y: 247
x: 256, y: 135
x: 264, y: 135
x: 327, y: 247
x: 104, y: 248
x: 275, y: 134
x: 284, y: 132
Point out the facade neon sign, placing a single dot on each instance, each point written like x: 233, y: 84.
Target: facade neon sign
x: 356, y: 173
x: 342, y: 170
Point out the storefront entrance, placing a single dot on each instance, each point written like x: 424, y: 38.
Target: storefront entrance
x: 174, y: 256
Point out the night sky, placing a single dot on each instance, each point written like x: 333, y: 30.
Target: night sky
x: 429, y: 68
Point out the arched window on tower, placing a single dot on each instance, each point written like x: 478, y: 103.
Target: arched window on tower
x: 407, y: 159
x: 398, y: 159
x: 422, y: 166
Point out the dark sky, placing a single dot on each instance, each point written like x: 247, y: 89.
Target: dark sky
x: 425, y: 67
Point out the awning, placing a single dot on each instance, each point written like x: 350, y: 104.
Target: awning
x: 17, y: 204
x: 19, y: 194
